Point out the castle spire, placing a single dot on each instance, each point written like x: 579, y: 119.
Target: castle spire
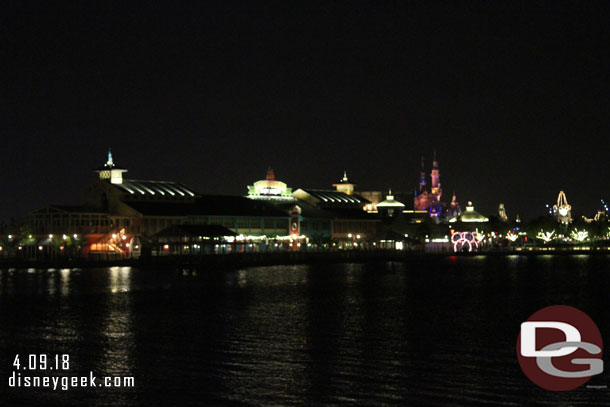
x: 422, y: 176
x: 435, y: 186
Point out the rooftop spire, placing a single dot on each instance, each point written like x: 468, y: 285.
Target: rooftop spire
x: 109, y: 163
x: 270, y: 174
x: 344, y: 179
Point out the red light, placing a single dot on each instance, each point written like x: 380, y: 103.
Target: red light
x: 452, y: 231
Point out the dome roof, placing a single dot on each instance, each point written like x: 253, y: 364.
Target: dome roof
x: 390, y: 202
x: 470, y: 215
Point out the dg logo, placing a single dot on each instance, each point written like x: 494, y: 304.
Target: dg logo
x: 559, y: 348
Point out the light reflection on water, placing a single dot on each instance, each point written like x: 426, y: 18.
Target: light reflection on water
x: 429, y: 331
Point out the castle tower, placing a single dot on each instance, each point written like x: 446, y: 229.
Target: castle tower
x: 422, y: 177
x: 435, y: 188
x: 454, y: 207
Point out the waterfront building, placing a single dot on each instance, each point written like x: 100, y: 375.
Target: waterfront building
x: 342, y: 209
x: 390, y: 206
x: 470, y: 216
x: 195, y: 240
x: 330, y: 199
x: 119, y: 213
x: 376, y: 197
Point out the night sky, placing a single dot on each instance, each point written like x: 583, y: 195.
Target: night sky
x: 515, y: 98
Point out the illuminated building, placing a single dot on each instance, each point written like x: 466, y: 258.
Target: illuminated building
x: 118, y: 211
x: 270, y: 188
x: 390, y: 207
x: 376, y: 197
x: 340, y: 209
x: 344, y: 185
x: 502, y: 213
x: 562, y: 210
x: 110, y: 172
x: 430, y: 200
x: 330, y: 198
x: 454, y: 208
x: 470, y: 216
x: 435, y: 189
x: 422, y: 199
x: 195, y: 240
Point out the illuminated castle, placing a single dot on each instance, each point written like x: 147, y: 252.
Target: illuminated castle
x: 425, y: 200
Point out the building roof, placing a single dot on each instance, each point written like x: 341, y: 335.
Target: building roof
x: 332, y: 196
x: 344, y: 180
x: 470, y: 215
x: 235, y: 206
x: 196, y: 230
x: 68, y: 209
x: 161, y: 208
x: 209, y: 205
x: 390, y: 202
x: 165, y: 189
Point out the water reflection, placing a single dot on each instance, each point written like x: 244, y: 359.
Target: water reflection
x: 65, y: 282
x: 120, y: 279
x: 430, y: 331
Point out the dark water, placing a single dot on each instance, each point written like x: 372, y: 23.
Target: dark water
x: 430, y: 331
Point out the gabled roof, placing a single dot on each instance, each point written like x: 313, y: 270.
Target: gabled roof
x: 161, y: 208
x: 208, y: 205
x: 165, y: 189
x: 229, y: 205
x: 332, y: 197
x: 67, y: 209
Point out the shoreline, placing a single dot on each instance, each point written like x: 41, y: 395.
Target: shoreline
x: 230, y: 261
